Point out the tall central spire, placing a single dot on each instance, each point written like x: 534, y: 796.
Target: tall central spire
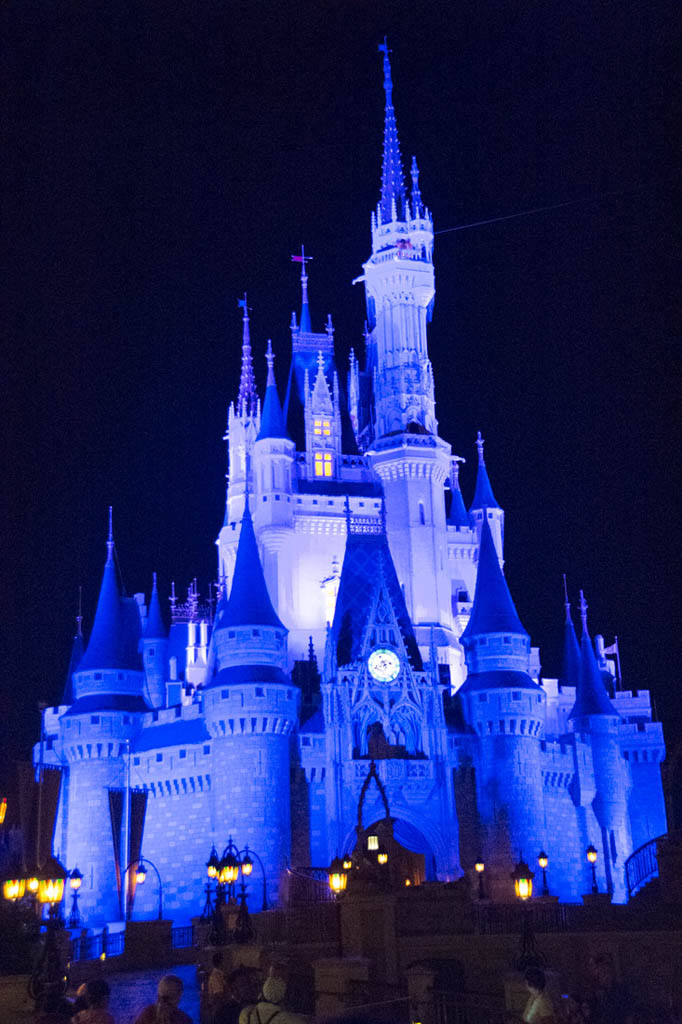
x: 247, y: 400
x: 306, y: 327
x: 392, y: 182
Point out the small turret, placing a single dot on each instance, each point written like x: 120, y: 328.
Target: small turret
x: 272, y: 420
x: 458, y: 515
x: 484, y: 504
x: 570, y: 661
x: 154, y: 650
x: 77, y: 649
x: 591, y: 697
x: 494, y: 638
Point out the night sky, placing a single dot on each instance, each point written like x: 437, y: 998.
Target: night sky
x: 161, y: 158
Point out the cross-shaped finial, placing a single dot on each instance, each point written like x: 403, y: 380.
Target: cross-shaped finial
x: 383, y: 47
x: 241, y: 304
x: 301, y: 259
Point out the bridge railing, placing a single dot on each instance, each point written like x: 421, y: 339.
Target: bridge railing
x: 641, y: 866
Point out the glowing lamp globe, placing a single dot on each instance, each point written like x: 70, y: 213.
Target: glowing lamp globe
x: 523, y: 877
x: 592, y: 854
x: 13, y: 888
x: 140, y: 873
x: 247, y: 865
x: 543, y: 860
x: 32, y: 884
x: 229, y: 869
x: 347, y: 862
x: 213, y: 864
x: 382, y: 855
x: 337, y: 876
x: 51, y: 882
x: 75, y: 879
x: 479, y: 866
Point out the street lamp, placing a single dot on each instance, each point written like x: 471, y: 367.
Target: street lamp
x: 382, y: 855
x: 479, y: 867
x: 338, y: 877
x: 49, y: 970
x: 522, y: 876
x: 592, y: 855
x: 141, y: 867
x: 75, y: 882
x: 543, y: 861
x: 347, y: 862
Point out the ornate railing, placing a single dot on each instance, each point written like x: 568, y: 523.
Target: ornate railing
x: 96, y: 947
x: 307, y: 885
x: 641, y: 866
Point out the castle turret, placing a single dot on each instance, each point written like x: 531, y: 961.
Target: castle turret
x: 458, y: 515
x: 507, y: 711
x: 154, y: 646
x: 96, y: 734
x: 484, y: 505
x: 594, y: 716
x: 570, y: 658
x: 77, y: 651
x: 251, y: 708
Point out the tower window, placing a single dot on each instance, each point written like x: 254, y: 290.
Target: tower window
x: 516, y: 695
x: 322, y: 428
x: 94, y: 719
x: 183, y: 753
x: 159, y: 757
x: 323, y: 464
x: 422, y: 520
x: 150, y: 652
x: 482, y: 698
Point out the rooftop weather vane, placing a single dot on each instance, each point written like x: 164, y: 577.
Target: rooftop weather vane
x: 301, y: 259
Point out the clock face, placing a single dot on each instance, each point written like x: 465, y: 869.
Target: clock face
x: 383, y: 665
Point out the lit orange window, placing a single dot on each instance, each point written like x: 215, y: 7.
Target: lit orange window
x: 323, y: 464
x: 322, y: 427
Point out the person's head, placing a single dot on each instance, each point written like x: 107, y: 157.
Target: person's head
x: 170, y: 989
x: 97, y: 993
x: 535, y: 979
x: 217, y: 959
x: 274, y: 989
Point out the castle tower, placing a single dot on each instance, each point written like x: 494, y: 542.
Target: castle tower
x: 506, y: 709
x: 484, y: 505
x: 412, y: 462
x: 594, y: 716
x: 96, y: 735
x: 273, y: 468
x: 154, y: 646
x: 243, y: 424
x: 323, y: 424
x: 251, y: 709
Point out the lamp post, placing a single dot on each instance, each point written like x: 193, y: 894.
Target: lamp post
x: 49, y: 969
x: 592, y: 855
x: 522, y: 878
x: 140, y: 866
x: 543, y: 861
x: 225, y: 871
x: 75, y: 882
x: 479, y: 868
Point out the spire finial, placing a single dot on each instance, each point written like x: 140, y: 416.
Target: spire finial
x: 270, y: 360
x: 416, y: 194
x: 567, y: 603
x: 583, y: 611
x: 154, y: 586
x: 479, y: 444
x: 110, y: 537
x: 329, y: 326
x: 305, y: 309
x: 79, y: 617
x: 247, y: 400
x: 392, y: 184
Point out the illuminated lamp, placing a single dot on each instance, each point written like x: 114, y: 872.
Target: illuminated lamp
x: 373, y: 842
x: 3, y: 810
x: 213, y: 864
x: 140, y: 873
x: 14, y: 888
x: 408, y: 882
x: 543, y: 861
x: 247, y: 863
x: 479, y: 867
x: 51, y: 882
x: 382, y: 855
x: 75, y: 879
x: 229, y: 869
x: 347, y: 862
x: 592, y: 855
x: 523, y: 877
x: 337, y: 876
x: 32, y: 884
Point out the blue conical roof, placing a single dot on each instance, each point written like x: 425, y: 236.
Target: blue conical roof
x: 458, y: 515
x: 116, y: 630
x: 154, y: 628
x: 249, y: 603
x: 77, y: 649
x: 570, y: 660
x: 272, y: 420
x: 483, y: 495
x: 493, y: 609
x: 591, y: 697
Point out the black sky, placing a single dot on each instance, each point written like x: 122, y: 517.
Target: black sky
x: 159, y: 159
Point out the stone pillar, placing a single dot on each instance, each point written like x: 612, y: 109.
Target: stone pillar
x: 421, y: 979
x: 368, y: 929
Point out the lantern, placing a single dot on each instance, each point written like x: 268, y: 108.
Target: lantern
x: 543, y: 861
x: 247, y: 863
x: 347, y: 862
x: 479, y: 866
x: 382, y: 855
x: 523, y: 877
x: 592, y: 858
x: 212, y: 864
x: 75, y: 879
x: 229, y: 869
x: 140, y: 873
x: 337, y: 876
x: 14, y: 888
x: 51, y: 882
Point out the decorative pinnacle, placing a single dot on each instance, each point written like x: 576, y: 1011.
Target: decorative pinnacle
x: 479, y: 444
x: 79, y: 617
x: 567, y: 603
x: 392, y: 184
x: 583, y: 611
x: 154, y: 587
x: 110, y: 537
x: 329, y: 327
x: 305, y: 312
x: 455, y: 473
x: 270, y: 360
x: 247, y: 399
x: 416, y: 194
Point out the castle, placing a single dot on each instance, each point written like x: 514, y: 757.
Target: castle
x: 361, y: 613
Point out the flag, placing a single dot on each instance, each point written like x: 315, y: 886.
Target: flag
x: 241, y: 303
x: 613, y: 649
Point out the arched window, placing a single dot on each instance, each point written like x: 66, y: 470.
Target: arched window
x: 422, y: 519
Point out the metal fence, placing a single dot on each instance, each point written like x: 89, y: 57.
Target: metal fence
x: 97, y: 947
x: 641, y: 866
